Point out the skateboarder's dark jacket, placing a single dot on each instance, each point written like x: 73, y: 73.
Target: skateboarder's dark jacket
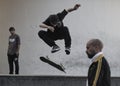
x: 61, y: 16
x: 61, y: 32
x: 99, y: 73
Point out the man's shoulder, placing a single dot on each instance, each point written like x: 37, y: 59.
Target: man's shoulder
x: 17, y: 35
x: 104, y: 59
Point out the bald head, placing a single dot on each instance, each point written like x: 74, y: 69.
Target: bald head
x: 95, y: 43
x: 93, y: 47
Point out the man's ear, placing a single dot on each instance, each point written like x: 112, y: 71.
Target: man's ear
x: 97, y: 48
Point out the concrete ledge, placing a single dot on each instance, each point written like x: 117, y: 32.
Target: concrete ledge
x: 42, y: 81
x: 18, y: 80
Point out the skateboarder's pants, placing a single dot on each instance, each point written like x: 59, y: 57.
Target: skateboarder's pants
x: 50, y: 37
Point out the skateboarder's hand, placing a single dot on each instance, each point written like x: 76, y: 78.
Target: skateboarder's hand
x: 51, y: 28
x: 76, y: 6
x: 73, y: 8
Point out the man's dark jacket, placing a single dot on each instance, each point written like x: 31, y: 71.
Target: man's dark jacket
x: 99, y: 73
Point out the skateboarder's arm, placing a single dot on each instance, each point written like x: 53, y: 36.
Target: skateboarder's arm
x: 47, y: 27
x: 74, y: 8
x: 62, y: 14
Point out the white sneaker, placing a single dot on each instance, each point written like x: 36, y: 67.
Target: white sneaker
x: 55, y: 49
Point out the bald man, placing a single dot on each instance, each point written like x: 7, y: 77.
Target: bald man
x: 99, y: 70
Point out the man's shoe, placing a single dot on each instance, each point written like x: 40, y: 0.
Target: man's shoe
x: 67, y: 50
x: 55, y: 49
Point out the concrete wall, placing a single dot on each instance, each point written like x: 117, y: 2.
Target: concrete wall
x: 95, y: 19
x: 48, y: 81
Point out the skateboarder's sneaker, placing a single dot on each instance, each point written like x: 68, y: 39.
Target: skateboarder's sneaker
x: 67, y: 50
x: 55, y: 48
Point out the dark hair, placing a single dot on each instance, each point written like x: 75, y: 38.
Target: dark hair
x: 54, y: 19
x: 11, y: 29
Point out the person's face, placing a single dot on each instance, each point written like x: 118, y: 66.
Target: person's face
x: 55, y: 22
x: 90, y: 50
x: 12, y: 32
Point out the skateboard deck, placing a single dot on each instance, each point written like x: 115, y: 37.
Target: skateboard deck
x: 58, y: 66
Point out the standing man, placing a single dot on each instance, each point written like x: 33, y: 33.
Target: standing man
x: 99, y: 70
x: 13, y: 51
x: 56, y: 30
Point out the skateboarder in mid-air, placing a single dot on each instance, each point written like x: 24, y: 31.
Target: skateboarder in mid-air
x: 56, y: 30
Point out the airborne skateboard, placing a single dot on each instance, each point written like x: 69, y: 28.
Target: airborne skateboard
x: 58, y: 66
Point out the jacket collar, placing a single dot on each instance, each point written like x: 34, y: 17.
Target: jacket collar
x: 97, y: 56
